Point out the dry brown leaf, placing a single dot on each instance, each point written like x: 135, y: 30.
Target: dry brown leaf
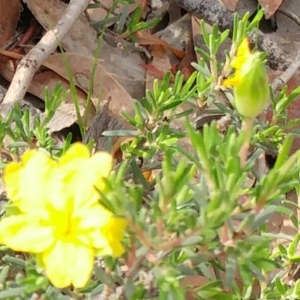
x: 160, y: 63
x: 270, y: 6
x: 105, y: 86
x: 9, y: 16
x: 41, y: 80
x: 64, y: 117
x: 80, y: 39
x: 230, y: 4
x: 99, y: 13
x: 145, y: 38
x: 50, y: 79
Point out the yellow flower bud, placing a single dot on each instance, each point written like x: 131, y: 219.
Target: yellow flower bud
x: 250, y: 82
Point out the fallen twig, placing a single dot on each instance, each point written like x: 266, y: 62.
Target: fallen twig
x: 35, y: 57
x: 214, y: 12
x: 284, y: 78
x: 290, y: 15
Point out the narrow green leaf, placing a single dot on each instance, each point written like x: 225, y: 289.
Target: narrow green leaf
x: 284, y: 152
x: 14, y: 260
x: 281, y: 289
x: 292, y: 248
x: 4, y: 274
x: 121, y: 133
x: 14, y: 292
x: 204, y: 33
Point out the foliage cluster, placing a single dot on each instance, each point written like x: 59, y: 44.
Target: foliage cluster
x: 199, y: 229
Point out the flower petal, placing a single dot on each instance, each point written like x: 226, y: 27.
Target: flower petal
x: 75, y: 152
x: 232, y: 81
x: 114, y: 231
x: 68, y: 263
x: 243, y: 53
x: 78, y: 175
x: 25, y: 182
x: 103, y: 161
x: 85, y: 177
x: 109, y: 241
x: 23, y: 233
x: 91, y: 221
x: 91, y: 175
x: 104, y: 230
x: 244, y: 48
x: 96, y: 216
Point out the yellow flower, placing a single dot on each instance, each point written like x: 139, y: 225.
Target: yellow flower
x: 250, y: 82
x: 60, y: 217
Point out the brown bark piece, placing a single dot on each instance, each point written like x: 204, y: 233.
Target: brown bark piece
x: 103, y: 121
x: 230, y: 4
x: 214, y: 12
x: 9, y: 17
x: 270, y: 6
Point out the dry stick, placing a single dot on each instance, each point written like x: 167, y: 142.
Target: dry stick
x: 214, y: 12
x: 290, y: 15
x: 284, y: 78
x: 35, y: 57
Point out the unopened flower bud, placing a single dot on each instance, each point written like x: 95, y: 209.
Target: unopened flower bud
x: 250, y: 82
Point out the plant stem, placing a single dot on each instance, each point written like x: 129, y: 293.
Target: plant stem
x: 246, y: 133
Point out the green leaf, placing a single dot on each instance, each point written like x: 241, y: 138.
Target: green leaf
x: 296, y: 290
x: 14, y: 292
x: 4, y: 273
x: 231, y: 265
x: 284, y: 152
x: 204, y: 33
x: 145, y: 25
x: 255, y: 21
x: 104, y: 277
x: 203, y: 53
x: 281, y: 289
x: 14, y: 260
x: 292, y: 248
x: 121, y: 133
x: 235, y: 27
x: 136, y: 16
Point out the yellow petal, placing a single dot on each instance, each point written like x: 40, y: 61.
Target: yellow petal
x: 76, y: 151
x: 25, y: 182
x: 115, y: 232
x: 91, y: 221
x: 103, y: 161
x: 95, y: 216
x: 88, y: 175
x: 25, y: 233
x: 78, y: 176
x: 68, y: 263
x: 244, y: 49
x: 232, y: 81
x: 242, y: 55
x: 112, y: 234
x: 11, y: 179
